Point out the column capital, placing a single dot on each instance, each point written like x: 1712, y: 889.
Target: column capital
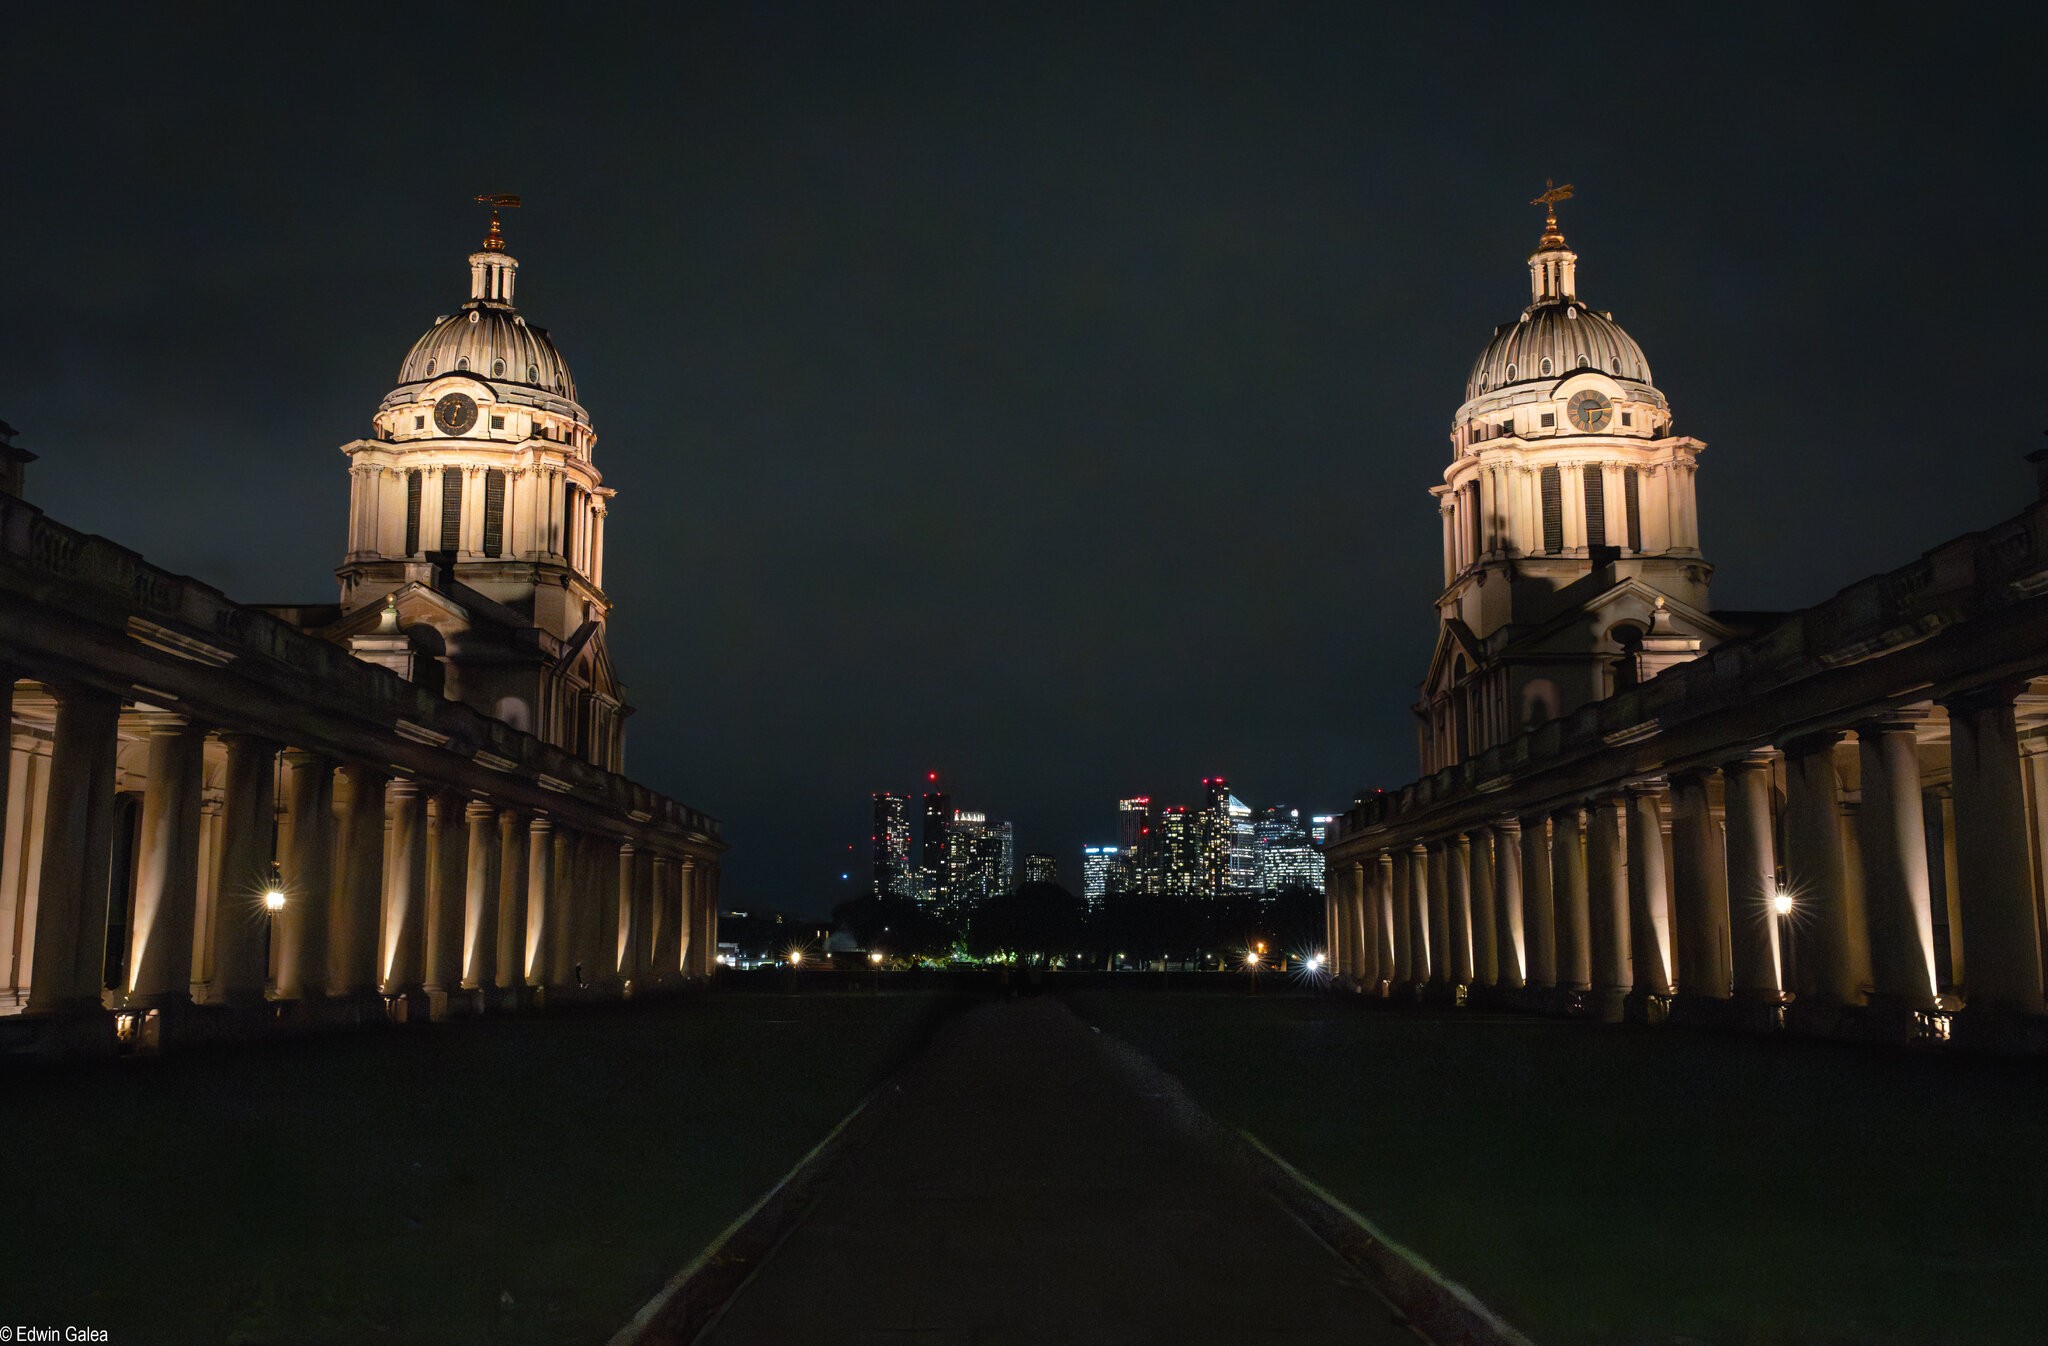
x: 1991, y: 696
x: 162, y: 723
x: 477, y: 809
x: 1756, y: 759
x: 1899, y: 720
x: 1509, y: 823
x: 402, y: 787
x: 366, y: 773
x: 1648, y: 786
x: 308, y: 757
x: 539, y: 822
x: 1806, y: 745
x: 240, y: 741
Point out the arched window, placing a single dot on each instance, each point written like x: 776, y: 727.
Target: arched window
x: 1553, y: 510
x: 462, y: 362
x: 1582, y: 362
x: 1631, y: 495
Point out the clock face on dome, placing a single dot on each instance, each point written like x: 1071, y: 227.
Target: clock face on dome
x: 1589, y: 410
x: 455, y: 413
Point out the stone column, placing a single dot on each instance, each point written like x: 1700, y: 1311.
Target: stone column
x: 1359, y: 924
x: 689, y: 929
x: 1386, y: 921
x: 447, y: 913
x: 1834, y: 965
x: 2001, y: 927
x: 547, y: 892
x: 1333, y: 898
x: 300, y: 931
x: 1752, y: 877
x: 248, y: 817
x: 570, y: 892
x: 1649, y: 896
x: 1400, y: 897
x: 1485, y: 910
x: 8, y: 673
x: 1425, y: 948
x: 1507, y: 896
x: 514, y: 925
x: 661, y: 933
x: 1607, y: 897
x: 481, y: 932
x: 405, y: 890
x: 626, y: 952
x: 69, y: 972
x: 1700, y: 891
x: 1571, y: 894
x: 711, y: 915
x: 167, y: 867
x: 1458, y: 903
x: 352, y: 921
x: 1891, y: 832
x: 1539, y: 907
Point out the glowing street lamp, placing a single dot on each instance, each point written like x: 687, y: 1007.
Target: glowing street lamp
x: 1251, y: 958
x: 273, y: 891
x: 1315, y: 962
x: 1781, y: 902
x: 796, y: 957
x: 876, y: 958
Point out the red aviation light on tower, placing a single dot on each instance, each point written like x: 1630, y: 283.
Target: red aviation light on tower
x: 932, y: 776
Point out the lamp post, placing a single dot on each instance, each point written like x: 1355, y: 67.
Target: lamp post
x: 1251, y: 963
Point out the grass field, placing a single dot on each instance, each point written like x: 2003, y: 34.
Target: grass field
x: 1606, y: 1185
x: 511, y: 1181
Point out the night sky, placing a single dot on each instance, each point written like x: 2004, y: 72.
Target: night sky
x: 1045, y: 397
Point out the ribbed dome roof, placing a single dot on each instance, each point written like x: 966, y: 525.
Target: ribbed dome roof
x: 492, y: 342
x: 1567, y: 334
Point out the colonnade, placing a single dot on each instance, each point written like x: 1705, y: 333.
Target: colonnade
x: 1886, y: 872
x: 258, y: 874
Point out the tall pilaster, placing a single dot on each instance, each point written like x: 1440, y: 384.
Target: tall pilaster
x: 405, y: 883
x: 69, y: 972
x: 1508, y: 904
x: 1359, y: 924
x: 247, y: 849
x: 2001, y: 927
x: 1443, y: 960
x: 689, y: 928
x: 167, y: 869
x: 626, y: 950
x: 514, y: 926
x: 547, y: 892
x: 1539, y: 906
x: 571, y: 891
x: 447, y: 897
x: 481, y: 876
x: 301, y: 929
x: 1607, y: 896
x: 1649, y: 897
x: 1387, y: 921
x: 1485, y: 912
x: 1700, y: 892
x: 352, y: 965
x: 1571, y: 893
x: 1752, y: 877
x: 1834, y: 967
x: 1891, y: 833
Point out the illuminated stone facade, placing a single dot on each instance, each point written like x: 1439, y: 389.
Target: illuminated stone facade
x: 1835, y: 820
x: 222, y: 820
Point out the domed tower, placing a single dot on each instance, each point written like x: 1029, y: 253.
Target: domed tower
x: 476, y: 524
x: 1572, y: 564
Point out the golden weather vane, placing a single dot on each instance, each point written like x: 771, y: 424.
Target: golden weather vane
x: 1552, y: 194
x: 498, y: 201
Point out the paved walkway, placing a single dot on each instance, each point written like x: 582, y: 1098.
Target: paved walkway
x: 1024, y: 1189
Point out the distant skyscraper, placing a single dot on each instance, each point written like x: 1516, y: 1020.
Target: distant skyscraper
x: 1041, y: 869
x: 1223, y: 832
x: 932, y: 849
x: 1135, y: 869
x: 891, y: 843
x: 1006, y: 858
x: 1175, y: 854
x: 1098, y: 863
x: 1286, y: 859
x: 1244, y: 848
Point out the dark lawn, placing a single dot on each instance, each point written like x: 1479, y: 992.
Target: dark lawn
x: 395, y: 1187
x: 1619, y: 1184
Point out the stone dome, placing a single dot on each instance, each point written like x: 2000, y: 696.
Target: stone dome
x: 489, y: 341
x: 1552, y: 340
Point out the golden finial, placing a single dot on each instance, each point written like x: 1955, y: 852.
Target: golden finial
x: 497, y: 201
x: 1552, y: 194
